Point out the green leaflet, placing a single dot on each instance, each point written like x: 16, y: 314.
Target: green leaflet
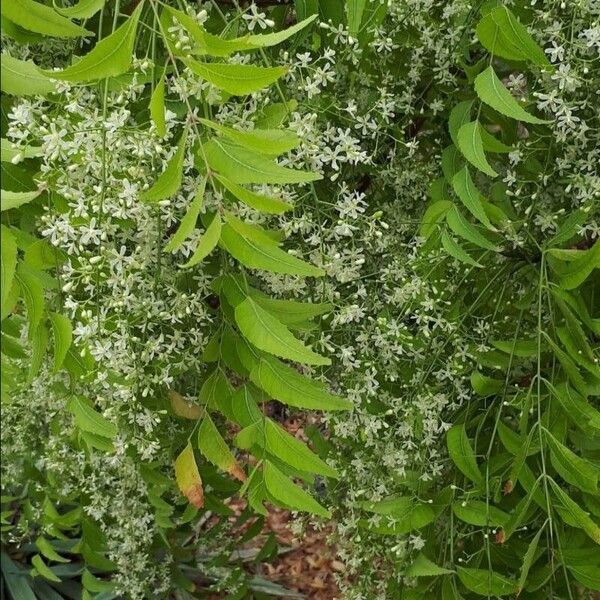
x: 492, y: 144
x: 485, y: 386
x: 289, y: 311
x: 491, y: 91
x: 578, y: 270
x: 213, y: 447
x: 10, y: 153
x: 237, y: 80
x: 452, y: 162
x: 433, y: 215
x: 43, y: 569
x: 257, y: 201
x: 271, y: 142
x: 46, y: 548
x: 293, y: 452
x: 208, y: 242
x: 9, y: 200
x: 157, y: 106
x: 251, y: 232
x: 587, y: 575
x: 486, y: 583
x: 408, y: 514
x: 63, y: 338
x: 188, y: 223
x: 501, y: 33
x: 110, y: 57
x: 460, y: 115
x: 33, y: 295
x: 240, y: 165
x: 267, y: 257
x: 88, y: 419
x: 354, y: 13
x: 523, y: 348
x: 169, y: 181
x: 572, y: 468
x: 471, y: 146
x: 8, y: 264
x: 282, y: 489
x: 94, y: 584
x: 39, y: 343
x: 37, y: 17
x: 455, y: 250
x: 84, y: 9
x: 479, y: 513
x: 423, y: 567
x: 529, y: 559
x: 287, y: 385
x: 569, y: 367
x: 469, y: 195
x: 573, y: 514
x: 268, y: 334
x: 578, y: 410
x: 466, y: 230
x: 212, y: 45
x: 462, y: 454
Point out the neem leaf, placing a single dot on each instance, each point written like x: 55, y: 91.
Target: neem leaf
x: 479, y: 513
x: 208, y: 242
x: 169, y: 181
x: 486, y: 583
x: 9, y: 200
x: 461, y: 453
x: 182, y: 408
x: 455, y: 250
x: 282, y: 489
x: 471, y: 146
x: 287, y: 385
x: 8, y: 262
x: 37, y: 17
x: 11, y: 152
x: 157, y: 106
x: 272, y: 142
x: 293, y: 452
x: 47, y: 549
x: 84, y: 9
x: 89, y: 419
x: 188, y: 223
x: 188, y: 477
x: 237, y: 80
x: 259, y: 202
x: 354, y: 12
x: 423, y: 567
x: 460, y: 115
x: 43, y: 569
x: 110, y: 57
x: 268, y: 334
x: 433, y: 215
x: 213, y: 447
x: 33, y: 295
x: 243, y: 166
x: 290, y: 311
x: 466, y: 230
x: 578, y: 270
x: 492, y: 91
x: 267, y: 257
x: 469, y: 195
x: 63, y: 337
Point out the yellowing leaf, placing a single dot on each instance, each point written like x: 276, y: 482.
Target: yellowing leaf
x: 266, y: 333
x: 237, y: 80
x: 110, y: 57
x: 188, y: 477
x: 213, y: 447
x: 37, y: 17
x: 182, y: 408
x: 491, y: 91
x: 169, y: 181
